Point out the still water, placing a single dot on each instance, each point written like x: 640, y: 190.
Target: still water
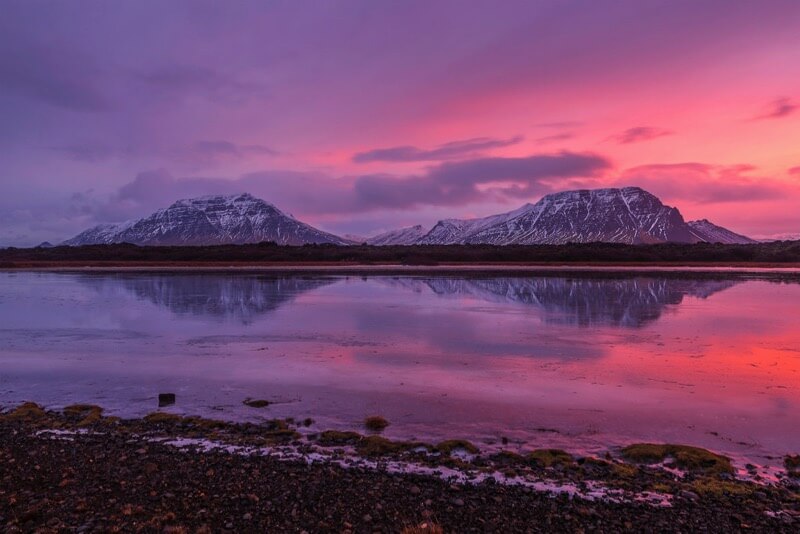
x: 581, y: 363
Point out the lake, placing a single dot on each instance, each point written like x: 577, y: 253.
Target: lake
x: 581, y: 362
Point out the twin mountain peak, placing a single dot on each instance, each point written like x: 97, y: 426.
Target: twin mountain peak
x: 628, y: 215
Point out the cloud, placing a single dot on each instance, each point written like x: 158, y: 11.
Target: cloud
x: 211, y: 152
x: 778, y: 108
x: 317, y: 194
x: 560, y: 124
x: 554, y: 138
x: 197, y: 153
x: 640, y: 133
x: 90, y: 153
x: 703, y: 183
x: 464, y: 182
x: 452, y: 150
x: 184, y: 79
x: 51, y: 76
x: 795, y: 171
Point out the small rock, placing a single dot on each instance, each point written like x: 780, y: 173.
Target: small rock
x: 248, y: 516
x: 166, y: 399
x: 414, y: 490
x: 690, y: 495
x: 367, y: 518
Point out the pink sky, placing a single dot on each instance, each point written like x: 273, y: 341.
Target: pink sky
x: 358, y: 117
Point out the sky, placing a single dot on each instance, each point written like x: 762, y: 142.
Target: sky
x: 363, y: 116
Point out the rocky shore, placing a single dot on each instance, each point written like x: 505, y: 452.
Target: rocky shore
x: 78, y: 471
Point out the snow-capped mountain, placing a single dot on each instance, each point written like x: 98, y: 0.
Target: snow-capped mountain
x: 211, y: 220
x: 704, y: 230
x: 628, y: 215
x: 403, y: 236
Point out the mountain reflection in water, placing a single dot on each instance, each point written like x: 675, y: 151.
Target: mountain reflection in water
x: 231, y: 296
x: 628, y: 302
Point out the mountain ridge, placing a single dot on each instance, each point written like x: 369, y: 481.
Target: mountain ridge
x: 210, y: 220
x: 628, y: 215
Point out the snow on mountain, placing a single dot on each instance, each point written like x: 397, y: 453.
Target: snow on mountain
x: 628, y: 215
x: 210, y: 220
x: 777, y: 237
x: 403, y: 236
x: 704, y: 230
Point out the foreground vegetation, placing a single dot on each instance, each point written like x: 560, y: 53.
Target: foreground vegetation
x: 778, y: 252
x: 79, y: 470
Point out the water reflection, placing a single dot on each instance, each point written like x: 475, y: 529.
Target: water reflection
x: 629, y: 302
x: 475, y: 357
x: 242, y: 298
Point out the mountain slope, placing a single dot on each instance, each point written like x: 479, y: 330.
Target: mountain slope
x: 212, y: 220
x: 402, y: 236
x: 628, y: 215
x: 704, y: 230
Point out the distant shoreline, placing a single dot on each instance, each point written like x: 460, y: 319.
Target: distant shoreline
x: 515, y: 268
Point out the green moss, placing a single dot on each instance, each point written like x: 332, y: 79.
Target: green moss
x: 375, y: 423
x: 598, y: 468
x: 718, y: 488
x: 550, y: 457
x: 507, y: 458
x: 202, y: 423
x: 332, y: 438
x: 162, y: 417
x: 686, y: 457
x: 27, y: 411
x: 447, y: 447
x: 277, y: 424
x: 87, y: 413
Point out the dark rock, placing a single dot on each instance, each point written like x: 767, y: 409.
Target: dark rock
x: 166, y: 399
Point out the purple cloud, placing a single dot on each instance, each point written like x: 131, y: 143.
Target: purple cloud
x: 640, y: 133
x: 778, y: 108
x: 49, y: 75
x: 459, y: 183
x: 316, y: 194
x: 182, y: 79
x: 452, y: 150
x: 554, y: 138
x: 88, y: 152
x: 703, y: 183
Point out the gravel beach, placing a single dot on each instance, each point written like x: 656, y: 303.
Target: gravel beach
x: 113, y: 477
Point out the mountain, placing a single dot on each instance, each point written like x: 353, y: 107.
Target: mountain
x: 628, y: 215
x: 704, y: 230
x: 211, y: 220
x: 403, y: 236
